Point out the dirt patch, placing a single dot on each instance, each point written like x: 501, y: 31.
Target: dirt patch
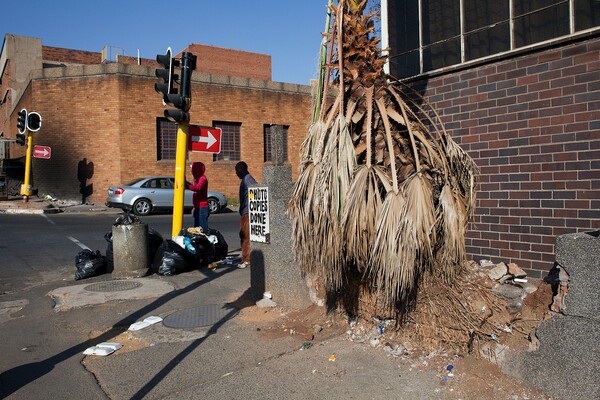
x: 463, y: 375
x: 312, y: 323
x: 475, y: 378
x: 128, y: 339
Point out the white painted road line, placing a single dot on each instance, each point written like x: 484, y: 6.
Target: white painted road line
x: 78, y: 243
x: 48, y: 219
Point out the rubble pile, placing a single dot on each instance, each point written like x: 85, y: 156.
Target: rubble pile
x: 482, y: 312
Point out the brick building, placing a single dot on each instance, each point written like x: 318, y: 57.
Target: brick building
x: 104, y: 121
x: 517, y: 85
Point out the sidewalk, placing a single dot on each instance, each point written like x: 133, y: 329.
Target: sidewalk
x: 36, y: 205
x: 214, y: 342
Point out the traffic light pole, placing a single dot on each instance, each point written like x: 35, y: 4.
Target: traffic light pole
x: 26, y: 186
x: 179, y: 190
x: 180, y: 115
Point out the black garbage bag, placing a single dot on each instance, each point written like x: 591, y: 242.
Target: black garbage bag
x: 155, y: 240
x: 221, y: 248
x: 202, y: 249
x: 172, y: 259
x: 89, y: 263
x: 109, y: 253
x: 127, y: 218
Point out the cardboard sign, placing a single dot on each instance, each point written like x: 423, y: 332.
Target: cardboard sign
x: 258, y: 213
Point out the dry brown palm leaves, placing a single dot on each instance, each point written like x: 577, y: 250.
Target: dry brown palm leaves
x: 381, y: 187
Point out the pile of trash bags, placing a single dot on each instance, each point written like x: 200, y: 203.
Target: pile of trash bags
x: 192, y: 249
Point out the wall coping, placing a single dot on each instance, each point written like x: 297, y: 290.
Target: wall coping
x: 75, y: 71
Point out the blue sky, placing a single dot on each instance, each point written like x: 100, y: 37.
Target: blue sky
x: 289, y: 31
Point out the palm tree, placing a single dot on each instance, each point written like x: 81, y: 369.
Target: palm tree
x: 383, y: 191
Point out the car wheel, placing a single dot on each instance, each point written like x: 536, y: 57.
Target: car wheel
x: 142, y: 207
x: 213, y: 205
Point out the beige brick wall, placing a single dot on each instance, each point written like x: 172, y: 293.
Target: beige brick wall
x: 109, y: 120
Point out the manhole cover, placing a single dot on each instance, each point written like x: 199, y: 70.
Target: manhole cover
x: 113, y: 286
x: 208, y: 314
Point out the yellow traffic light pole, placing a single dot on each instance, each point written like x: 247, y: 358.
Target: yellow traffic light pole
x: 26, y: 186
x: 179, y: 190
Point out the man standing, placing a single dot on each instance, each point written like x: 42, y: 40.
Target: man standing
x: 200, y: 198
x: 241, y: 170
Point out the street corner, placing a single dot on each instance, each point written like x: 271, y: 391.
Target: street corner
x: 78, y: 296
x: 19, y: 206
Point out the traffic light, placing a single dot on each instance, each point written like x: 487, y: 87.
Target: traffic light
x: 21, y: 138
x: 180, y: 100
x: 22, y: 121
x: 34, y: 121
x: 166, y: 74
x: 183, y: 101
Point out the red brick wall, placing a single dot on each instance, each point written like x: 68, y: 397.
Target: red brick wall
x: 210, y: 59
x: 532, y: 124
x: 221, y: 61
x: 69, y: 56
x: 110, y: 120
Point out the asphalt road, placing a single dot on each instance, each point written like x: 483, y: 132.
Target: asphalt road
x: 41, y: 248
x: 40, y: 350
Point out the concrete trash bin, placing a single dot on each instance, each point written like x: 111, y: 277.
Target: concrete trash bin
x: 130, y: 250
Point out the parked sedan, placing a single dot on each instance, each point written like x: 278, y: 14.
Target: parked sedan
x: 155, y: 193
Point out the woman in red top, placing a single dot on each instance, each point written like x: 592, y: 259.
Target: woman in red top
x: 200, y: 199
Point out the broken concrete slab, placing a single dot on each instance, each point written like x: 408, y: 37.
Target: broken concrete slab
x: 567, y: 361
x: 579, y: 255
x: 78, y: 296
x: 498, y: 271
x: 516, y: 271
x: 508, y: 291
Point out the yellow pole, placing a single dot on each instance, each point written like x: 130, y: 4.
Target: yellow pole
x: 180, y: 161
x: 26, y: 186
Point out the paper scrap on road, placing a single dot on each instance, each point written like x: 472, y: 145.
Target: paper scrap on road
x: 136, y: 326
x: 102, y: 349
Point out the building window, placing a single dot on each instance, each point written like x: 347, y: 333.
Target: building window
x: 487, y: 30
x: 539, y: 20
x: 166, y: 139
x: 267, y: 142
x: 426, y: 35
x: 230, y: 141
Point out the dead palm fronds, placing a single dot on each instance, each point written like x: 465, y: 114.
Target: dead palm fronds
x: 382, y: 187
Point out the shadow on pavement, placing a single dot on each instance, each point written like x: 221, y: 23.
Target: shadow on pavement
x: 18, y: 377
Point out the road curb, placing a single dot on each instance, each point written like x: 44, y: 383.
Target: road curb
x: 30, y: 211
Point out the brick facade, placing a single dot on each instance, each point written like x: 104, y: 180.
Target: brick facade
x: 104, y: 117
x: 532, y: 124
x: 101, y: 119
x: 220, y: 61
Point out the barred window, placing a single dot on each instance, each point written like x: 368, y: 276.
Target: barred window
x: 230, y: 141
x: 166, y: 139
x: 267, y: 143
x: 426, y: 35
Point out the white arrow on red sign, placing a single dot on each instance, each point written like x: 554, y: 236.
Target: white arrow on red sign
x: 42, y: 152
x: 204, y: 139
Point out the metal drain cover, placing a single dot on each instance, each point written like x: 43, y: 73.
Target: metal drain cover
x: 208, y: 314
x: 113, y: 286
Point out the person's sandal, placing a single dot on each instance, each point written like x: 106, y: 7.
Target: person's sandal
x: 243, y: 265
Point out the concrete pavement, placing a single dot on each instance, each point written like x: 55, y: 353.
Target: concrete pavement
x: 36, y: 205
x: 251, y: 352
x: 230, y: 349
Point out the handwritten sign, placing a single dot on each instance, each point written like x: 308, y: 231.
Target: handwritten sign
x: 258, y: 207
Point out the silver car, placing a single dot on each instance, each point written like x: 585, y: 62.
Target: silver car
x: 154, y: 193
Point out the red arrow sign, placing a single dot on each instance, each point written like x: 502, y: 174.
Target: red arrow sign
x: 42, y: 152
x: 204, y: 139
